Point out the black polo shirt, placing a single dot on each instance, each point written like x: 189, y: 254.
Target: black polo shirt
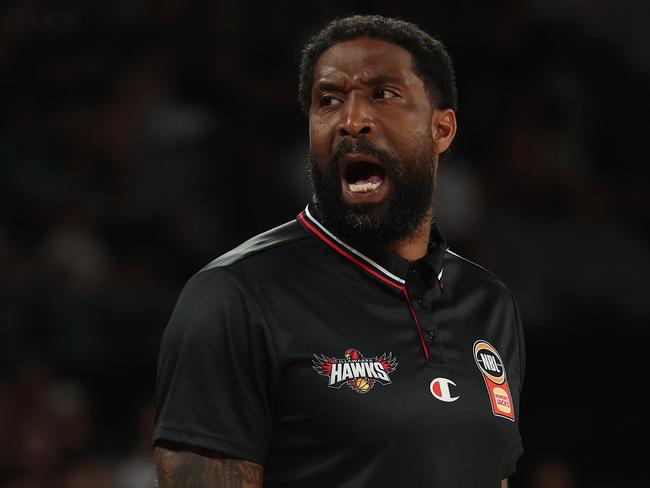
x: 340, y: 367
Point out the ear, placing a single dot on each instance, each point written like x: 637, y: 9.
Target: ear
x: 443, y: 129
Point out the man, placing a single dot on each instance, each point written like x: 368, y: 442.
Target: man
x: 349, y: 347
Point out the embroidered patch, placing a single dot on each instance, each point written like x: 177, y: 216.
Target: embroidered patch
x: 439, y: 388
x: 494, y: 373
x: 359, y: 373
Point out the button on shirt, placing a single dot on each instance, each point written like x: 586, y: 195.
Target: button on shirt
x: 336, y: 366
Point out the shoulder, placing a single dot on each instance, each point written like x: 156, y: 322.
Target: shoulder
x: 469, y: 282
x: 266, y: 254
x: 225, y: 294
x: 470, y: 275
x: 272, y: 244
x: 488, y: 296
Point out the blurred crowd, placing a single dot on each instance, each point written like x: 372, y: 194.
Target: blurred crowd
x: 141, y: 139
x: 53, y: 438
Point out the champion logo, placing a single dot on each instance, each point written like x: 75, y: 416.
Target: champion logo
x: 440, y: 389
x: 359, y: 373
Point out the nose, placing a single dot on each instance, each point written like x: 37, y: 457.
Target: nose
x: 356, y: 118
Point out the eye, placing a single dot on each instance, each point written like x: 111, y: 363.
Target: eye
x: 328, y: 101
x: 384, y: 93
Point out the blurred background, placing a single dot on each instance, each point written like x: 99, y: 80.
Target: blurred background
x: 140, y: 139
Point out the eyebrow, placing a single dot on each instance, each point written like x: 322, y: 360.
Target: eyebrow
x: 326, y: 85
x: 323, y: 86
x: 383, y: 79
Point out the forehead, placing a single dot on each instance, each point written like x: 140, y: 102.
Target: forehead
x: 365, y: 58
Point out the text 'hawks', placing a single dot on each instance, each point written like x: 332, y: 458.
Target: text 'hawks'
x: 357, y: 372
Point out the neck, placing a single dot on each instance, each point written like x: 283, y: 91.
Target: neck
x: 416, y: 245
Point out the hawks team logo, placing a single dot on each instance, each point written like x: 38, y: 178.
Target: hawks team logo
x: 359, y: 373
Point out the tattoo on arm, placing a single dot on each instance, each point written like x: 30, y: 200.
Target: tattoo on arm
x: 191, y: 469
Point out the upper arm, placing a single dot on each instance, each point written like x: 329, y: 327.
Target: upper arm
x: 216, y: 370
x: 184, y: 467
x: 504, y: 483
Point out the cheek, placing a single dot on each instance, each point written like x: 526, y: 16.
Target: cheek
x: 318, y: 140
x: 410, y: 138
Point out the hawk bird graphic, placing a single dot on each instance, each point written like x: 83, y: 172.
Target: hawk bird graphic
x: 323, y: 364
x: 388, y: 362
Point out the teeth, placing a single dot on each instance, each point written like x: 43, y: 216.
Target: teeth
x: 364, y: 187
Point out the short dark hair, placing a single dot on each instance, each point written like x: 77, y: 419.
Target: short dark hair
x: 430, y: 58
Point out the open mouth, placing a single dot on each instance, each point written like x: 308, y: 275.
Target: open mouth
x: 363, y: 179
x: 362, y: 174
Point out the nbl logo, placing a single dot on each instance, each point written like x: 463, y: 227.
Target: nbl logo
x: 491, y: 366
x: 359, y: 373
x: 489, y: 362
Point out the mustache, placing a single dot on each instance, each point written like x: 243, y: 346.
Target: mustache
x: 363, y: 146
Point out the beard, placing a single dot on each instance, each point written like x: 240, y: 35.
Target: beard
x: 401, y: 213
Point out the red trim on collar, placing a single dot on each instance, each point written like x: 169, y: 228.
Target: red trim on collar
x: 346, y: 254
x: 376, y: 274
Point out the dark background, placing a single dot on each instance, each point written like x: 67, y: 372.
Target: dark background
x: 141, y: 139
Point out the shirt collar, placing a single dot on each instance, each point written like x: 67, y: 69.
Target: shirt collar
x: 384, y: 266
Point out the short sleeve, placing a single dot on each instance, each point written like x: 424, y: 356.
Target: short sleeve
x: 216, y: 370
x: 520, y: 344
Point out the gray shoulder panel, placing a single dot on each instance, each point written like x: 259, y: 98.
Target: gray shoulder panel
x: 271, y: 239
x: 476, y: 267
